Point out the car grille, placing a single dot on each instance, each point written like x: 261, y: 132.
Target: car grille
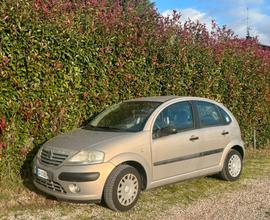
x: 54, y: 186
x: 49, y: 157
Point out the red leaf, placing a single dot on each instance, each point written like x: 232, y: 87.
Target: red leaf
x: 3, y: 124
x: 85, y: 95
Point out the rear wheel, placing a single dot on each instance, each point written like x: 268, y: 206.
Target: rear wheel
x: 232, y: 167
x: 122, y: 188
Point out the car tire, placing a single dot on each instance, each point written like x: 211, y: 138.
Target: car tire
x: 232, y: 167
x: 122, y: 188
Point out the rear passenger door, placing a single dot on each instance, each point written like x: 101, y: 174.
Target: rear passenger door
x: 214, y: 133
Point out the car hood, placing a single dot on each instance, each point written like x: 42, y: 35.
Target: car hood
x: 81, y: 138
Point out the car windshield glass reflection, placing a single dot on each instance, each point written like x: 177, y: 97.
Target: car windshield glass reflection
x: 126, y: 116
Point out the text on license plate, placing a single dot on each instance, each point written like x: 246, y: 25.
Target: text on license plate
x: 42, y: 173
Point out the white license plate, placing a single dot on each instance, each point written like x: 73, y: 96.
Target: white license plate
x: 42, y: 173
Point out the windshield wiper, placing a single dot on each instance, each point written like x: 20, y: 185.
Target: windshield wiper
x: 106, y: 128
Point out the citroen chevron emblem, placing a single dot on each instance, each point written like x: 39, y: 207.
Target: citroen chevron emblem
x: 50, y: 154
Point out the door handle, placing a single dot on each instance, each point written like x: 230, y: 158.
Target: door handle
x: 193, y: 138
x: 225, y: 132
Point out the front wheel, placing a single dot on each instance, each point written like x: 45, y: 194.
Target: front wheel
x: 233, y: 166
x: 122, y: 188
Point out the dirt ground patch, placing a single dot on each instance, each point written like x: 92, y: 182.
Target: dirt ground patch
x: 250, y: 201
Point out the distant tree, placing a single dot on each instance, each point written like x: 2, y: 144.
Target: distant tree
x: 140, y: 5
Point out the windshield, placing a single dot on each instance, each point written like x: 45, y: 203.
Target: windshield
x: 126, y: 116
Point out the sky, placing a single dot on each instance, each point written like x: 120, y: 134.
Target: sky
x: 232, y: 13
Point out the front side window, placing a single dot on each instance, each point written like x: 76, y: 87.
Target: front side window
x: 126, y: 116
x: 208, y: 114
x: 173, y: 119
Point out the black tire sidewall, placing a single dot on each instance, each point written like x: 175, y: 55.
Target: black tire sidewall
x: 117, y: 204
x: 227, y: 173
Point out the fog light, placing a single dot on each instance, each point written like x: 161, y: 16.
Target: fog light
x: 74, y: 188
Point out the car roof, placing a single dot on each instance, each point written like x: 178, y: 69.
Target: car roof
x: 153, y: 99
x: 167, y: 98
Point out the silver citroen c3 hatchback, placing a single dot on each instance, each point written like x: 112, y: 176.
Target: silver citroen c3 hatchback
x: 140, y: 144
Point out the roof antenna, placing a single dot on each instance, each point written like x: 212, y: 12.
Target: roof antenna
x: 248, y: 28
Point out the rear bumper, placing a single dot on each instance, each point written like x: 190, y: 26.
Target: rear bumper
x: 90, y: 179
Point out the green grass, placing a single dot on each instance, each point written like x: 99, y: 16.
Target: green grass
x: 151, y: 204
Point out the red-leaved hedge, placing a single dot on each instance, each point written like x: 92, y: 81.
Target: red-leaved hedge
x: 62, y: 62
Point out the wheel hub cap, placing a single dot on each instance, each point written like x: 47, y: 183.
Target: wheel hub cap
x: 127, y: 189
x: 234, y: 165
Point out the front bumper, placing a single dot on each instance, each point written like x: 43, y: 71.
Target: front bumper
x: 90, y: 179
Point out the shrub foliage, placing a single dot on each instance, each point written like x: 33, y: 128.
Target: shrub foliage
x: 62, y: 62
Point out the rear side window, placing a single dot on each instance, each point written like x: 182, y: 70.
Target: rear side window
x: 226, y: 118
x: 208, y: 114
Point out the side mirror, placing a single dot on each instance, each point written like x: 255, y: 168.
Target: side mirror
x: 162, y: 132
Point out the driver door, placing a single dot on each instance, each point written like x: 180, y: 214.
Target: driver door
x: 175, y: 142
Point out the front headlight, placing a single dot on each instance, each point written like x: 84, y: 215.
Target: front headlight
x: 87, y: 157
